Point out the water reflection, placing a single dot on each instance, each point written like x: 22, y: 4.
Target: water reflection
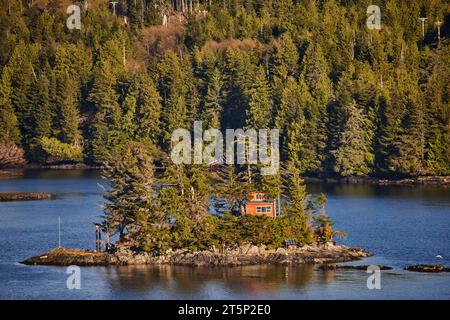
x: 260, y: 280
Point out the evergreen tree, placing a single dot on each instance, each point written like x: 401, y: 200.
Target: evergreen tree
x: 315, y: 72
x: 105, y: 133
x: 354, y: 156
x: 42, y: 119
x: 284, y: 62
x: 9, y: 130
x: 214, y: 100
x: 297, y: 120
x: 401, y: 141
x: 68, y: 113
x: 132, y: 208
x: 260, y: 105
x: 148, y: 111
x: 173, y: 89
x: 297, y: 214
x: 437, y: 117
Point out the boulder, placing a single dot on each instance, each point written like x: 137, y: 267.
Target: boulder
x: 432, y: 268
x: 245, y: 248
x: 253, y: 250
x: 345, y: 267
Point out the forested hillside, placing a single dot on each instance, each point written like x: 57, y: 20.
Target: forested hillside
x: 347, y: 100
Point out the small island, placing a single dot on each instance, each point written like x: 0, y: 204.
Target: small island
x: 24, y: 196
x: 205, y: 216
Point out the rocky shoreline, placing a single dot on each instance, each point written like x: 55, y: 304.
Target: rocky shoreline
x: 25, y: 196
x: 241, y: 256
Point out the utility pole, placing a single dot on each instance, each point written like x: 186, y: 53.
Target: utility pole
x: 59, y: 232
x: 34, y: 73
x: 423, y: 26
x: 124, y: 54
x: 402, y: 53
x: 439, y: 23
x: 353, y: 47
x: 114, y: 3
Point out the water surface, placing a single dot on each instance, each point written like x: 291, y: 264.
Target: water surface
x: 400, y: 225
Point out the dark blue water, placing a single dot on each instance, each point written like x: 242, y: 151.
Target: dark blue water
x: 400, y: 225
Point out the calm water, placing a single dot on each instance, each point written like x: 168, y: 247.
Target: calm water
x: 400, y: 225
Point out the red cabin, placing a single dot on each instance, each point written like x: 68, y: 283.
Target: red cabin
x: 258, y: 205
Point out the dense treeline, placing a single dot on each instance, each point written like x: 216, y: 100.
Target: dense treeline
x: 348, y: 100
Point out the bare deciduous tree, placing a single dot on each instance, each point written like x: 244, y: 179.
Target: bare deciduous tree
x: 11, y: 155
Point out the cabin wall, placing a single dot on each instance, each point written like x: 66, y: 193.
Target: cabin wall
x: 251, y: 208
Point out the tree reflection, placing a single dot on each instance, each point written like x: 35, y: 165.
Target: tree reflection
x: 179, y: 281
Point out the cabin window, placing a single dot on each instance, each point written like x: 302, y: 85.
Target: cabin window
x: 263, y: 209
x: 259, y: 196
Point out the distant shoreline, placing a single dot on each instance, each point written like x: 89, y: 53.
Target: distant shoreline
x: 420, y: 180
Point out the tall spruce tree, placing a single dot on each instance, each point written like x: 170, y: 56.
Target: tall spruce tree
x: 354, y: 156
x: 132, y: 208
x: 299, y: 219
x: 42, y: 115
x: 260, y: 104
x: 105, y: 134
x: 315, y: 71
x: 9, y: 130
x: 214, y: 100
x: 148, y: 109
x: 173, y: 89
x: 67, y: 108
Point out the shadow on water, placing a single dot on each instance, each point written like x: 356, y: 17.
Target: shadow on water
x: 61, y: 174
x: 371, y: 191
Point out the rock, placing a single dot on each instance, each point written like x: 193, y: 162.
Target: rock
x: 285, y: 262
x: 66, y: 257
x: 281, y: 250
x: 345, y: 267
x: 245, y: 248
x: 253, y: 250
x: 432, y: 268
